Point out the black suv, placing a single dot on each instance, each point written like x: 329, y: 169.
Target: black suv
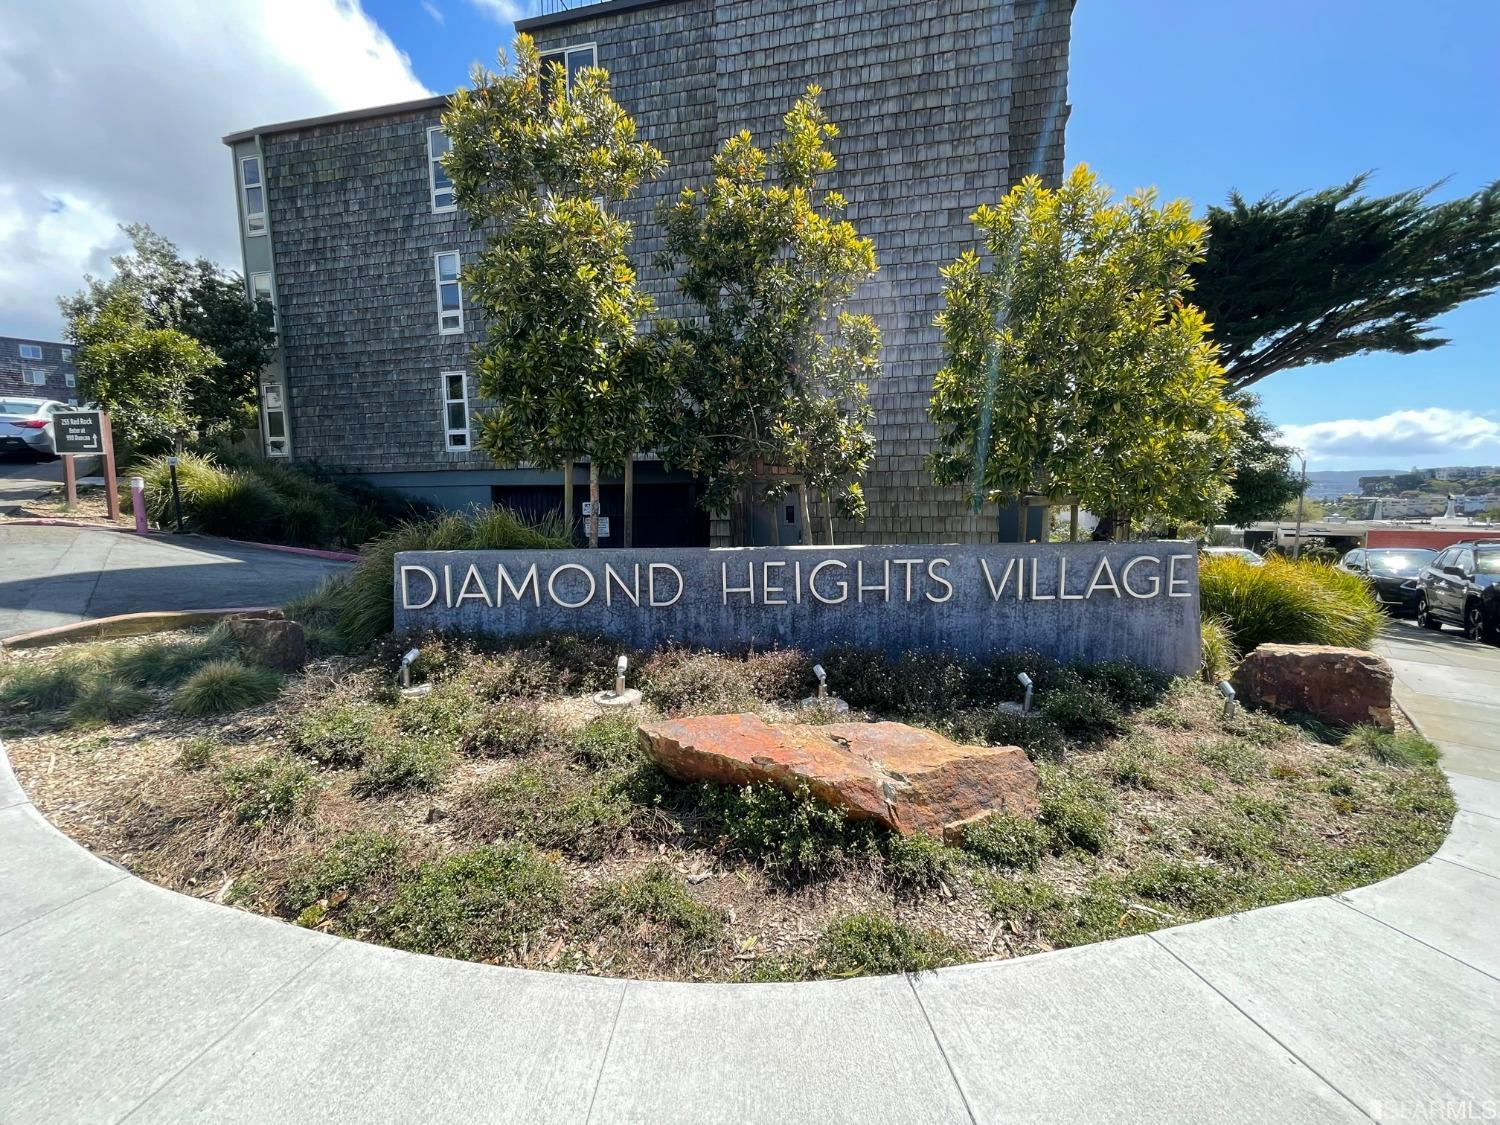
x: 1462, y: 587
x: 1391, y: 572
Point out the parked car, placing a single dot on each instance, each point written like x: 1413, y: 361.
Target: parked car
x: 1391, y: 572
x: 1461, y: 586
x: 1244, y: 554
x: 26, y: 426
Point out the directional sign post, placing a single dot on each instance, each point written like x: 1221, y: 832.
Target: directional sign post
x: 86, y: 433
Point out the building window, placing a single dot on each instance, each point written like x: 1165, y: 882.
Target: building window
x: 255, y: 195
x: 455, y: 410
x: 69, y: 379
x: 262, y: 290
x: 35, y: 376
x: 449, y: 294
x: 273, y: 414
x: 67, y: 354
x: 443, y: 198
x: 31, y: 351
x: 571, y: 59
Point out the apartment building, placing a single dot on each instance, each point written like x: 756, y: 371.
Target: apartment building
x: 37, y: 369
x: 348, y: 224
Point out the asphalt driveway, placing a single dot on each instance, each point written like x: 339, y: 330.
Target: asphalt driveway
x: 57, y: 575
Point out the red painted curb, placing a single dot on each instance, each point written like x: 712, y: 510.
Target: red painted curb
x: 313, y: 552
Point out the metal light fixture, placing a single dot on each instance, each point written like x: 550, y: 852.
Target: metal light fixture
x: 1228, y: 693
x: 1025, y: 681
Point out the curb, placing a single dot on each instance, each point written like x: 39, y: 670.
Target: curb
x: 168, y: 536
x: 130, y: 625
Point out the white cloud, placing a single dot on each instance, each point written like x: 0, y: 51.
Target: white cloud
x: 434, y: 11
x: 506, y: 11
x: 1399, y: 437
x: 113, y: 114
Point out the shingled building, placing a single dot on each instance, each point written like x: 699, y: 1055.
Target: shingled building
x: 348, y: 224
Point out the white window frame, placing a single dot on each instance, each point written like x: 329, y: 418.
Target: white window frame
x: 269, y: 294
x: 70, y: 379
x: 34, y: 376
x: 432, y: 170
x: 450, y: 321
x: 266, y: 411
x: 31, y: 351
x: 567, y: 52
x: 252, y: 229
x: 449, y: 432
x: 67, y: 354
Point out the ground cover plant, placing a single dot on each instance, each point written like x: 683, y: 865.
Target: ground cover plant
x: 500, y: 817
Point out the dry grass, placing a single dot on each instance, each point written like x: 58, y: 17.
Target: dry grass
x: 1180, y: 817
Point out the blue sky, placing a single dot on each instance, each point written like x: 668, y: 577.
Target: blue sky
x: 1201, y: 97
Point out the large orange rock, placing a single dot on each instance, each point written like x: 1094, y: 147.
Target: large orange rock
x: 910, y: 780
x: 1342, y: 686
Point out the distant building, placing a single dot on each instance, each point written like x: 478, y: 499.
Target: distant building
x: 37, y: 369
x: 349, y: 225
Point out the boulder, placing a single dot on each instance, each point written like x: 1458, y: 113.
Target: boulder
x: 275, y: 643
x: 908, y: 779
x: 1340, y: 686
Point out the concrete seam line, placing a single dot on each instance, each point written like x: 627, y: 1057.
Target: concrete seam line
x: 1466, y: 866
x: 1260, y: 1026
x: 942, y: 1051
x: 232, y: 1028
x: 1475, y: 812
x: 604, y: 1059
x: 124, y: 875
x: 1413, y: 937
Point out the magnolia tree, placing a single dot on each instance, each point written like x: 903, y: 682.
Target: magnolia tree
x: 1075, y: 366
x: 765, y: 262
x: 540, y: 164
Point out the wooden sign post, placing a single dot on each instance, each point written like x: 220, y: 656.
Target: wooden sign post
x: 86, y: 433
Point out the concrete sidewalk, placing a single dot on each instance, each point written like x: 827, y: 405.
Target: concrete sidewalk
x: 57, y: 575
x: 118, y: 998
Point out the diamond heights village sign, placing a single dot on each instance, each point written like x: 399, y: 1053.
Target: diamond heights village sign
x: 1067, y: 601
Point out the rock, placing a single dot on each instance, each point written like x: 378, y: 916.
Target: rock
x: 908, y: 779
x: 1340, y: 686
x: 269, y: 641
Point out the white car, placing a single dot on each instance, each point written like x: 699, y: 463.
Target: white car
x: 26, y: 426
x: 1244, y: 554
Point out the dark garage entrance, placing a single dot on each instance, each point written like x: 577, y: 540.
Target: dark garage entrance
x: 666, y: 512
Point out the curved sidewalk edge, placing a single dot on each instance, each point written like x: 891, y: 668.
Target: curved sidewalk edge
x: 131, y: 625
x: 119, y: 997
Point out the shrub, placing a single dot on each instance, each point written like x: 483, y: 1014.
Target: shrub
x: 1393, y: 748
x: 862, y: 677
x: 1129, y: 686
x: 609, y: 742
x: 656, y: 899
x: 336, y: 732
x: 215, y: 500
x: 222, y: 686
x: 794, y: 836
x: 1191, y: 886
x: 1099, y: 913
x: 275, y: 787
x: 1033, y: 733
x: 475, y: 905
x: 1288, y: 602
x: 318, y: 609
x: 1220, y: 657
x: 397, y: 763
x: 104, y: 700
x: 366, y: 606
x: 43, y: 687
x: 1082, y: 713
x: 1022, y: 902
x: 918, y: 863
x: 351, y: 864
x: 510, y: 730
x: 874, y: 944
x: 585, y: 817
x: 448, y: 713
x: 1075, y: 810
x: 1006, y: 840
x: 163, y: 663
x: 677, y: 680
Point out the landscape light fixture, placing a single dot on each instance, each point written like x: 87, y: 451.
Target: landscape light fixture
x: 1025, y: 682
x: 620, y: 665
x: 1228, y: 693
x: 619, y: 695
x: 406, y: 663
x: 822, y: 681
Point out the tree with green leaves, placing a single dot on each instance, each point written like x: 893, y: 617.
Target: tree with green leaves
x: 145, y: 376
x: 541, y: 165
x: 1075, y: 365
x: 1261, y: 477
x: 199, y: 300
x: 765, y: 261
x: 1295, y: 280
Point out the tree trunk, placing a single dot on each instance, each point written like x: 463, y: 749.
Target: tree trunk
x: 773, y: 505
x: 807, y: 521
x: 627, y: 518
x: 593, y: 504
x: 827, y: 514
x: 1073, y: 523
x: 568, y: 509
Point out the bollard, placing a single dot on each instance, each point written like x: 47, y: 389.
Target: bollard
x: 1025, y: 682
x: 138, y: 503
